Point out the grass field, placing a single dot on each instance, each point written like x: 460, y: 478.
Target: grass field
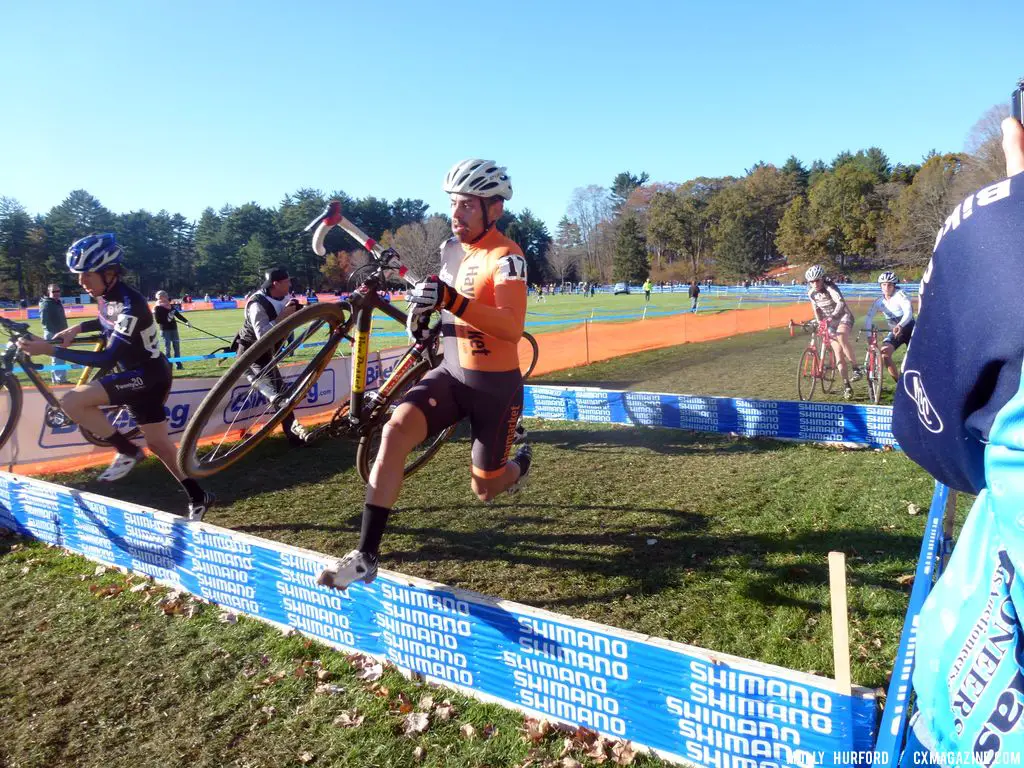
x: 742, y: 531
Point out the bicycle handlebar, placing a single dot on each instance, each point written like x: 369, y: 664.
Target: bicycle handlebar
x: 14, y: 328
x: 333, y: 217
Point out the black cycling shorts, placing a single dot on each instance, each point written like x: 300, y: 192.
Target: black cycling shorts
x: 904, y: 338
x: 493, y: 404
x: 143, y: 390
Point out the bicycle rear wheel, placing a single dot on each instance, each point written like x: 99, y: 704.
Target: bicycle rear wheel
x: 829, y: 366
x: 529, y: 353
x: 11, y: 400
x: 247, y: 403
x: 807, y: 374
x: 118, y: 415
x: 369, y: 444
x: 875, y: 375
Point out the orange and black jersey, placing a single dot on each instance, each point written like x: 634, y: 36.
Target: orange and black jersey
x: 483, y: 335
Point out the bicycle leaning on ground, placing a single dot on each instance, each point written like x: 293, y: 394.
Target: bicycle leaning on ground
x: 818, y: 362
x: 12, y: 398
x: 244, y: 407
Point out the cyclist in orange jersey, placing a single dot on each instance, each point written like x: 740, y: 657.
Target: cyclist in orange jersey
x: 480, y: 291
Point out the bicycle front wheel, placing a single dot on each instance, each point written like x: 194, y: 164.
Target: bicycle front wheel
x: 829, y: 366
x: 807, y: 374
x: 875, y: 374
x: 369, y: 444
x: 529, y: 353
x: 11, y: 399
x: 254, y: 396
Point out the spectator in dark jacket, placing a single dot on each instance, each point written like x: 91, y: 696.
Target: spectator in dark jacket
x: 167, y: 316
x: 51, y: 313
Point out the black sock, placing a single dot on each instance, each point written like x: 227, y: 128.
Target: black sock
x: 123, y: 444
x: 194, y: 491
x: 375, y: 520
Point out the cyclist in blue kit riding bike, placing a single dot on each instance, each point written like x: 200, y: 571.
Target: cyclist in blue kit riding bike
x: 895, y: 306
x: 143, y: 379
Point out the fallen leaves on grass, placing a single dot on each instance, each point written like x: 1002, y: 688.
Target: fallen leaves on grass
x: 306, y: 758
x: 467, y: 731
x: 350, y: 719
x: 536, y: 730
x: 367, y: 668
x: 415, y: 723
x: 905, y: 580
x: 228, y: 617
x: 108, y: 592
x: 270, y: 680
x: 419, y: 754
x: 445, y: 711
x: 403, y: 704
x: 328, y: 689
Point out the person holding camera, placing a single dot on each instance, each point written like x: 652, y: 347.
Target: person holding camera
x: 264, y: 308
x: 54, y: 320
x: 167, y: 315
x: 959, y: 413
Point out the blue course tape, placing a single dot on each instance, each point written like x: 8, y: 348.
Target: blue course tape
x: 847, y: 423
x: 708, y: 708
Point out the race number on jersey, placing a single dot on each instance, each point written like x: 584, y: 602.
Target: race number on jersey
x: 512, y: 267
x: 125, y: 324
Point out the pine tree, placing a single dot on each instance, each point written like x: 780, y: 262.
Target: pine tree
x: 630, y: 262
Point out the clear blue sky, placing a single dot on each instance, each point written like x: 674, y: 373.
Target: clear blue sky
x: 182, y: 105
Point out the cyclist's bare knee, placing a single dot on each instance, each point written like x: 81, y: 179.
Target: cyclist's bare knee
x: 406, y: 428
x: 77, y: 400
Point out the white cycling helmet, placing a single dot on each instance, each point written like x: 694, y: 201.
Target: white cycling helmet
x: 481, y: 178
x: 888, y: 277
x: 814, y: 273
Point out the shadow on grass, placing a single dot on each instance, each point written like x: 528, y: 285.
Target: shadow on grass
x: 684, y: 547
x: 626, y: 438
x: 271, y: 466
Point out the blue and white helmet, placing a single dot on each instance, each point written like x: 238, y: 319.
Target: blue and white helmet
x: 888, y: 277
x: 93, y: 253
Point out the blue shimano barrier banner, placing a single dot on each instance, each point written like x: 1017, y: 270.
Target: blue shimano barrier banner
x: 681, y: 701
x: 844, y: 423
x: 218, y: 304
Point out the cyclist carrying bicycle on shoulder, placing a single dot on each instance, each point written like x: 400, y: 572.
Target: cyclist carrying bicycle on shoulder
x: 143, y: 380
x: 899, y: 314
x: 829, y: 306
x: 481, y: 293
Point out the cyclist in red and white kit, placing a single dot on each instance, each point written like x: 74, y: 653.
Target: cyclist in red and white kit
x: 481, y: 293
x: 829, y: 306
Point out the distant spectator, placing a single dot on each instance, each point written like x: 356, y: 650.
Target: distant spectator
x: 167, y: 316
x: 51, y: 313
x: 647, y: 290
x: 694, y: 293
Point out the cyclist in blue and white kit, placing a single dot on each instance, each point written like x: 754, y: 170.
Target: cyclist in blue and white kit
x: 143, y: 379
x: 959, y: 413
x: 899, y: 314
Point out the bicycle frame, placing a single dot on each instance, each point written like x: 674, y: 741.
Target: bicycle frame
x: 13, y: 355
x: 364, y: 300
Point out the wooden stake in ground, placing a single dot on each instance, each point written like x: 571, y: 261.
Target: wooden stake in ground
x: 840, y: 625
